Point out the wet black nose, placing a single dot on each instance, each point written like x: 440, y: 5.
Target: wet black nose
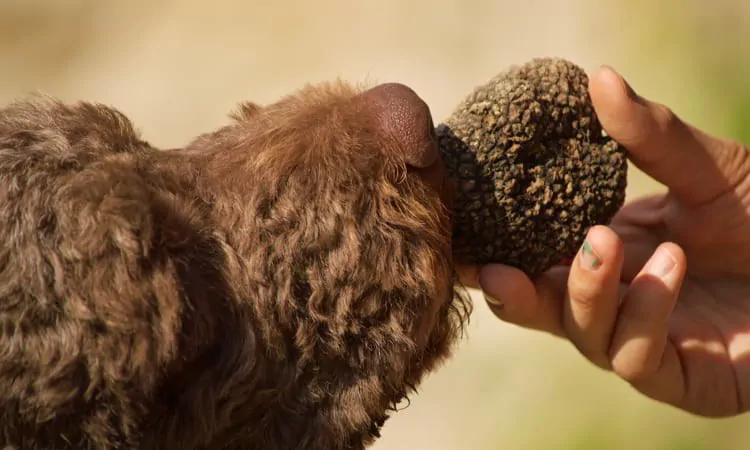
x: 405, y: 118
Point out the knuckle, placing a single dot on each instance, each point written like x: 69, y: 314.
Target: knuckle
x: 585, y: 295
x: 665, y: 117
x: 736, y: 156
x: 590, y: 339
x: 632, y: 370
x: 597, y: 356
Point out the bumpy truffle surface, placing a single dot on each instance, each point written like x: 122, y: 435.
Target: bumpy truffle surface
x: 532, y: 167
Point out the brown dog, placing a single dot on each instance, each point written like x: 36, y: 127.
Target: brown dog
x: 281, y: 283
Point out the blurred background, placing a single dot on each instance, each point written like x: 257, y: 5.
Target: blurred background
x: 177, y: 68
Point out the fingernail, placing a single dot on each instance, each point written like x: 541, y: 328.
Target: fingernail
x: 661, y: 264
x: 492, y: 300
x: 589, y: 258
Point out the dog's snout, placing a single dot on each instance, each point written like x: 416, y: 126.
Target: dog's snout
x: 406, y: 119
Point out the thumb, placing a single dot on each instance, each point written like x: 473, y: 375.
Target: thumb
x: 695, y: 167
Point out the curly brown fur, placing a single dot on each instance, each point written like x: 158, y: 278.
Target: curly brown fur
x: 281, y: 283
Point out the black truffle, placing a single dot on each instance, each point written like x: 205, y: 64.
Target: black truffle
x: 532, y: 168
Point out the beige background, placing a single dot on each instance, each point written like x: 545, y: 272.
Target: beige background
x: 177, y: 67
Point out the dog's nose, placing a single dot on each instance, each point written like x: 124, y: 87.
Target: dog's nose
x: 403, y: 117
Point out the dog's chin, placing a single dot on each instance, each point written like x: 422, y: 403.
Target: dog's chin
x: 441, y: 338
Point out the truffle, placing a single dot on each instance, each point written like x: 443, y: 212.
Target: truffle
x: 531, y: 166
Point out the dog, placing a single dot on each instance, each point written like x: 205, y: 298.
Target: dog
x: 283, y: 282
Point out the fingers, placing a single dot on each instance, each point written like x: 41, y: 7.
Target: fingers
x: 618, y: 327
x: 640, y: 337
x: 590, y: 310
x: 695, y: 166
x: 544, y: 304
x: 514, y: 298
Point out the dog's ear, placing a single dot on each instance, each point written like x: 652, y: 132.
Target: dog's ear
x: 404, y: 121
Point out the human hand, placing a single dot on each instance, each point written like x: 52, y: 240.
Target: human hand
x: 661, y: 297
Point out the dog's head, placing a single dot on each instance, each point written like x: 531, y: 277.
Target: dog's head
x: 281, y: 283
x: 339, y: 208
